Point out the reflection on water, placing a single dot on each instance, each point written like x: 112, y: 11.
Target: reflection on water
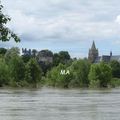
x: 59, y: 104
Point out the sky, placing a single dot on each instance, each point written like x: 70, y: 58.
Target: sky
x: 69, y: 25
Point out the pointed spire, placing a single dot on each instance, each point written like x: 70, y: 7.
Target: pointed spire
x: 93, y: 45
x: 110, y: 53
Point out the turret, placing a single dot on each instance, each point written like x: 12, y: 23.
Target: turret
x: 26, y: 52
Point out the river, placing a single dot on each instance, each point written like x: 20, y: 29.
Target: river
x: 59, y: 104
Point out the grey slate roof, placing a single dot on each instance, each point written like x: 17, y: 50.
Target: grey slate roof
x: 107, y: 58
x: 117, y: 57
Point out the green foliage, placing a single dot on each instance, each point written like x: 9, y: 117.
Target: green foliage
x: 19, y: 84
x: 17, y: 69
x: 78, y: 76
x: 33, y: 72
x: 34, y: 53
x: 56, y: 59
x: 61, y: 57
x: 21, y: 71
x: 94, y: 76
x: 56, y: 79
x: 80, y: 70
x: 11, y: 53
x: 5, y: 33
x: 45, y: 66
x: 115, y: 82
x: 3, y: 51
x: 45, y: 53
x: 100, y: 75
x: 115, y: 65
x: 4, y: 73
x: 64, y: 55
x: 26, y: 58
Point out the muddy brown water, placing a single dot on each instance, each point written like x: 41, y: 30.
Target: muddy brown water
x: 59, y: 104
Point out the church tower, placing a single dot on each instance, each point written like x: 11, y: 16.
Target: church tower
x: 93, y: 53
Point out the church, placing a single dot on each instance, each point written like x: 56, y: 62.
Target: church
x: 94, y: 57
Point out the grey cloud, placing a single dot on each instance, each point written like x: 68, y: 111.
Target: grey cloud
x: 64, y: 20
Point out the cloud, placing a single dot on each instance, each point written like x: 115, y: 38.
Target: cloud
x: 59, y: 18
x: 117, y: 20
x: 64, y: 21
x: 68, y: 26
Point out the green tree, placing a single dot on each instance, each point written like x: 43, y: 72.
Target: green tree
x: 115, y: 65
x: 80, y: 70
x: 26, y: 58
x: 4, y: 73
x: 17, y: 69
x: 57, y: 79
x: 5, y: 33
x: 64, y: 55
x: 61, y: 57
x: 34, y: 53
x: 94, y: 76
x: 3, y: 51
x: 56, y: 59
x: 100, y: 75
x: 11, y: 53
x: 33, y: 72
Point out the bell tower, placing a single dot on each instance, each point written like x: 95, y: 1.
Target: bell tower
x: 93, y: 53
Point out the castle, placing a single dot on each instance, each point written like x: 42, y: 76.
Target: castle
x: 42, y: 56
x: 26, y: 52
x: 94, y: 57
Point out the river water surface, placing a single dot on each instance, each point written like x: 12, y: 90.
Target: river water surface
x: 59, y: 104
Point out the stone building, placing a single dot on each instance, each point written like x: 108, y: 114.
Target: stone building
x: 45, y: 56
x: 26, y: 52
x: 93, y: 53
x: 94, y: 57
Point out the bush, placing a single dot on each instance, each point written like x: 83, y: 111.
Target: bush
x: 33, y: 72
x: 56, y: 79
x: 115, y: 82
x: 4, y: 73
x: 80, y: 70
x: 115, y: 65
x: 100, y: 75
x: 17, y: 69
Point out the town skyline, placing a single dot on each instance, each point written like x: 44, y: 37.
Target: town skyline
x: 65, y: 25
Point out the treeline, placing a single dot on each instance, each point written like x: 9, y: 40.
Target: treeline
x: 27, y: 71
x: 85, y: 74
x: 15, y: 72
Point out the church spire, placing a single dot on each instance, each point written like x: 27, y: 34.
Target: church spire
x: 93, y: 45
x: 93, y: 53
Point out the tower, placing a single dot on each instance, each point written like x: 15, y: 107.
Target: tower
x: 110, y: 53
x: 93, y: 53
